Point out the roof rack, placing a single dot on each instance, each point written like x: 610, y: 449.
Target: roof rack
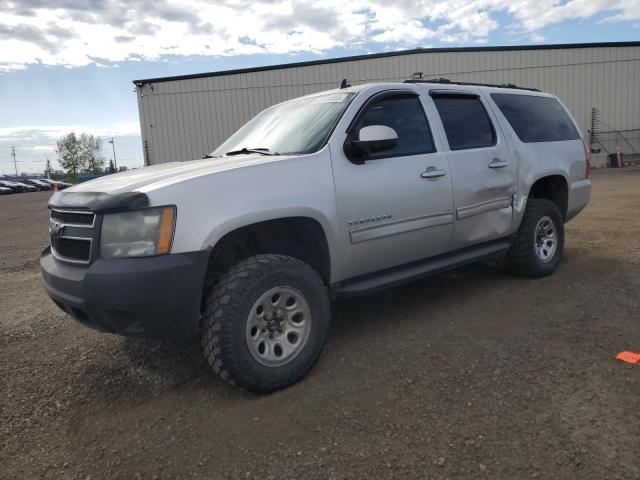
x: 446, y: 81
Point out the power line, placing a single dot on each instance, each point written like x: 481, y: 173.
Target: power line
x: 24, y: 161
x: 121, y: 136
x: 104, y: 137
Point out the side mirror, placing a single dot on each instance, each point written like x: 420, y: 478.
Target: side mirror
x: 371, y: 139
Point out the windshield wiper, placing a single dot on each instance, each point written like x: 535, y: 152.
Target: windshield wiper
x: 244, y: 151
x: 208, y: 155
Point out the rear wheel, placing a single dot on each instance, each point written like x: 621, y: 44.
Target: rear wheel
x: 539, y: 243
x: 265, y: 322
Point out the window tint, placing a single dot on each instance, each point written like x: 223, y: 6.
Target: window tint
x: 536, y: 119
x: 406, y: 116
x: 465, y: 121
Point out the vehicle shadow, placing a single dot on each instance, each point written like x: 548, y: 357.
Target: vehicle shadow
x: 375, y: 309
x: 132, y: 371
x: 143, y: 369
x: 135, y: 370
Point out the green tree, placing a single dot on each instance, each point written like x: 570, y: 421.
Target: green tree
x: 68, y: 150
x: 112, y: 167
x: 80, y: 153
x: 91, y: 152
x: 48, y: 169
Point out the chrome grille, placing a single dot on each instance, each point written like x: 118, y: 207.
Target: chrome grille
x: 67, y: 217
x: 74, y: 249
x: 72, y: 235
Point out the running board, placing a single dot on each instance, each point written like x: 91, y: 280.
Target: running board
x: 373, y: 282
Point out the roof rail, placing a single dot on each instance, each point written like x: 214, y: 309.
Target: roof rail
x: 450, y: 82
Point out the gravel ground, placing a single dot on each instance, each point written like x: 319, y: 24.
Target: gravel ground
x: 470, y: 374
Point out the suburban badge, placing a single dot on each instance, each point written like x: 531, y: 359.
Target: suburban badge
x: 362, y: 221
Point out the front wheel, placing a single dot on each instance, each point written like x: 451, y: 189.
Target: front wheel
x: 539, y: 243
x: 265, y: 322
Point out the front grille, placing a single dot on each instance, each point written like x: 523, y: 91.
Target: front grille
x: 73, y: 218
x: 74, y: 249
x: 72, y: 234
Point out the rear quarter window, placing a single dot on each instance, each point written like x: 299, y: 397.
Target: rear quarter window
x: 536, y: 119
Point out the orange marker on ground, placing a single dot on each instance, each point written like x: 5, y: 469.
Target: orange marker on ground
x: 628, y: 357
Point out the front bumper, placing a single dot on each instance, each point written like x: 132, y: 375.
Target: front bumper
x: 153, y: 297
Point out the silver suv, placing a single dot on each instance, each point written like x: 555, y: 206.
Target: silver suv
x: 344, y: 192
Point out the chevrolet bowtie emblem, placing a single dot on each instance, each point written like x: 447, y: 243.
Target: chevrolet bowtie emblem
x: 55, y: 229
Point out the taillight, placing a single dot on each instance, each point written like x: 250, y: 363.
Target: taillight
x: 587, y: 159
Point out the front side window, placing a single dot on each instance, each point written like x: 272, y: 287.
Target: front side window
x: 465, y: 121
x: 406, y: 116
x: 295, y: 127
x: 535, y: 118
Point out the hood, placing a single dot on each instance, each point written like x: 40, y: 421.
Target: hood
x: 151, y: 178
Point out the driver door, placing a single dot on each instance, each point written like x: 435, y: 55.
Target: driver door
x: 396, y: 205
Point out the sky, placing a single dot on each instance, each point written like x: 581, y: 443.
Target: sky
x: 68, y: 65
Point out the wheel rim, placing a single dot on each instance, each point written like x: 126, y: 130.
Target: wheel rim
x: 546, y: 239
x: 278, y: 326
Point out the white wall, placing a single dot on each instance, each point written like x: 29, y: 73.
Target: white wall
x: 183, y: 119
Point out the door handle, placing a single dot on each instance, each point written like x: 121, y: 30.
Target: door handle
x: 497, y: 163
x: 433, y: 172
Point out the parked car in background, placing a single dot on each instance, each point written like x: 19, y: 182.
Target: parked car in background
x: 39, y: 184
x: 17, y: 187
x: 33, y: 183
x: 5, y: 191
x: 5, y: 184
x: 339, y: 193
x: 10, y: 185
x: 26, y: 186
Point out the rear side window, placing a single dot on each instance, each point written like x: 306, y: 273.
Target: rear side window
x: 465, y: 121
x: 536, y: 119
x: 406, y: 116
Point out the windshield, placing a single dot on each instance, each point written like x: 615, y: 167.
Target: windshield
x: 298, y: 126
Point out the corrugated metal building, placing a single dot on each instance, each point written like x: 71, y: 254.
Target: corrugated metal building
x: 185, y: 117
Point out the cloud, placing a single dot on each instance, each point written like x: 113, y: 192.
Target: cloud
x: 48, y: 38
x: 47, y: 134
x: 124, y: 38
x: 76, y: 32
x: 144, y: 28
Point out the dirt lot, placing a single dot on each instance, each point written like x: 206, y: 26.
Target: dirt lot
x: 472, y: 374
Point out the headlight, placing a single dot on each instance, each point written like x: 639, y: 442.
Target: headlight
x: 139, y: 233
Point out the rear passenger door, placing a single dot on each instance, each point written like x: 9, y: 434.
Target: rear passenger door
x: 482, y: 172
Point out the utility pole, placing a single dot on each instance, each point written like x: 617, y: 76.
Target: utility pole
x: 113, y: 144
x: 13, y: 154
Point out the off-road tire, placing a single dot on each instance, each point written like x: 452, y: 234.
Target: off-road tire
x: 521, y: 257
x: 226, y: 312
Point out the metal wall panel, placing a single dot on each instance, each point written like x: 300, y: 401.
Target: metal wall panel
x: 184, y: 119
